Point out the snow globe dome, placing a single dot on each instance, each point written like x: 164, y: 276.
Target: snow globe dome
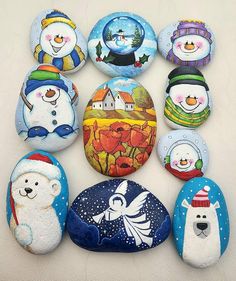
x: 122, y: 44
x: 125, y: 40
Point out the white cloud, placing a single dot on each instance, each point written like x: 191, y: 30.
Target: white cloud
x: 123, y: 83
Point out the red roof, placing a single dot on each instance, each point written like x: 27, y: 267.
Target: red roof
x: 126, y: 97
x: 100, y: 95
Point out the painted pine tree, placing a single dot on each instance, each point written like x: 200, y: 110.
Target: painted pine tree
x: 137, y: 40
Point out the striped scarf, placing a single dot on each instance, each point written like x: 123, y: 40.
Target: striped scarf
x: 177, y: 115
x: 66, y: 63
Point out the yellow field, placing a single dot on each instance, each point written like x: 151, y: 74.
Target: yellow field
x: 108, y: 122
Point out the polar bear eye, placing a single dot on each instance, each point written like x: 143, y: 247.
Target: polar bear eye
x: 198, y: 216
x: 36, y: 183
x: 26, y: 181
x: 204, y: 216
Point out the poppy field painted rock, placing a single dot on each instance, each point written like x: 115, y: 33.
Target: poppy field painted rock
x: 188, y: 103
x: 187, y: 43
x: 55, y: 39
x: 183, y: 153
x: 46, y: 114
x: 117, y: 216
x: 119, y: 127
x: 201, y: 223
x: 37, y: 202
x: 122, y: 44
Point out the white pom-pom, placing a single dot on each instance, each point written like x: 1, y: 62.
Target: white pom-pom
x: 207, y: 188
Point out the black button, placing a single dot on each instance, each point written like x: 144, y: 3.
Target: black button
x: 54, y: 112
x: 54, y: 122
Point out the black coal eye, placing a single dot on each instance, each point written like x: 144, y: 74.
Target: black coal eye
x: 36, y: 183
x: 204, y: 216
x: 26, y: 181
x: 192, y: 43
x: 198, y: 216
x: 186, y: 43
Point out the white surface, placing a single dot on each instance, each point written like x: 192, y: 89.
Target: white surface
x: 69, y: 262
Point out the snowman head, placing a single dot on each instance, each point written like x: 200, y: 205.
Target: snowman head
x: 58, y: 37
x: 183, y: 157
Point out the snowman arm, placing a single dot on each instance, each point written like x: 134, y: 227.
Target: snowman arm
x: 26, y: 102
x: 199, y: 164
x: 74, y: 98
x: 167, y: 159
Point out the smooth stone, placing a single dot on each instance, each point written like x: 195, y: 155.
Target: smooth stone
x: 46, y: 113
x: 55, y: 39
x: 187, y: 43
x: 201, y: 223
x: 119, y: 127
x: 187, y: 101
x: 183, y: 153
x: 37, y: 202
x: 117, y: 216
x: 122, y: 44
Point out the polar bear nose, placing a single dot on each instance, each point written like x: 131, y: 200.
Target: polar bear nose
x: 202, y: 226
x: 28, y: 190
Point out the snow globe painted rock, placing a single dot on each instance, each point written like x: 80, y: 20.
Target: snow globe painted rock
x: 37, y: 202
x: 187, y: 42
x: 187, y: 102
x: 183, y: 153
x: 201, y: 223
x: 119, y: 127
x: 55, y: 39
x: 122, y: 44
x: 46, y: 114
x: 117, y: 216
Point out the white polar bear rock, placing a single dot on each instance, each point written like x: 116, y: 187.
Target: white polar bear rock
x: 35, y: 185
x: 205, y: 226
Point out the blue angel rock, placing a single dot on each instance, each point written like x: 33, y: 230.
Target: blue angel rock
x: 122, y: 44
x: 37, y: 202
x: 201, y: 223
x: 46, y: 114
x: 56, y: 39
x: 117, y: 216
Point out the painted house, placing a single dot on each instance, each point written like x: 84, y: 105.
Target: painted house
x: 124, y: 101
x: 103, y: 99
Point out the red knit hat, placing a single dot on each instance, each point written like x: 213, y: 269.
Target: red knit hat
x: 201, y: 198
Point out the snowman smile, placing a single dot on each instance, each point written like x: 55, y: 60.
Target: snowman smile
x: 56, y: 49
x: 183, y: 164
x: 51, y: 96
x: 189, y: 51
x: 188, y: 109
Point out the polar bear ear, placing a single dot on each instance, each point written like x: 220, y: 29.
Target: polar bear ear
x: 216, y: 205
x: 185, y: 204
x: 55, y: 187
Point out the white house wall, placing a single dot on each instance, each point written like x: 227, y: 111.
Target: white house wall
x: 119, y: 103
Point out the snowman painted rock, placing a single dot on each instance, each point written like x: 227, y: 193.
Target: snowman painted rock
x: 187, y: 42
x: 55, y: 39
x: 119, y: 127
x: 46, y: 114
x: 183, y: 153
x: 187, y: 103
x: 37, y: 201
x: 201, y: 223
x: 122, y: 44
x: 117, y: 216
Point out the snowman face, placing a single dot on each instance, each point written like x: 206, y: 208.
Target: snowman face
x: 49, y: 94
x: 34, y: 189
x: 58, y: 39
x: 183, y: 157
x: 191, y: 47
x: 117, y: 202
x: 191, y: 98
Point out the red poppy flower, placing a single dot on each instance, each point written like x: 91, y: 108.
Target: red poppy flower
x: 142, y: 157
x: 86, y: 134
x: 123, y: 166
x: 122, y: 128
x: 138, y: 137
x: 97, y: 145
x: 110, y: 141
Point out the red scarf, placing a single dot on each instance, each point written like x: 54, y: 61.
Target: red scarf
x: 12, y: 203
x: 184, y: 175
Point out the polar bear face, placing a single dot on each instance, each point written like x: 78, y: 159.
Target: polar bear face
x: 183, y: 157
x: 190, y: 98
x: 191, y: 47
x: 58, y: 39
x: 35, y: 190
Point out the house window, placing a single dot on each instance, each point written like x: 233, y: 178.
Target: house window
x: 131, y: 106
x: 105, y: 105
x: 118, y: 97
x: 127, y: 106
x: 94, y: 106
x: 111, y: 104
x: 100, y: 105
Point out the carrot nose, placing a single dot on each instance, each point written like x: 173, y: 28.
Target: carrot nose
x: 58, y: 39
x: 50, y: 93
x: 189, y: 47
x: 191, y: 101
x: 183, y: 162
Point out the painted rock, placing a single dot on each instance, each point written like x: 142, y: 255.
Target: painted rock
x: 117, y: 216
x: 46, y: 114
x: 183, y: 153
x: 37, y: 201
x: 187, y: 102
x: 55, y: 39
x: 201, y: 223
x: 122, y: 44
x: 187, y: 42
x: 119, y: 127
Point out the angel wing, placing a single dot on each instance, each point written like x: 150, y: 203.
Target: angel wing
x: 122, y: 188
x: 136, y: 204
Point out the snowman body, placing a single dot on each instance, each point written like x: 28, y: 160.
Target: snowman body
x: 49, y: 113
